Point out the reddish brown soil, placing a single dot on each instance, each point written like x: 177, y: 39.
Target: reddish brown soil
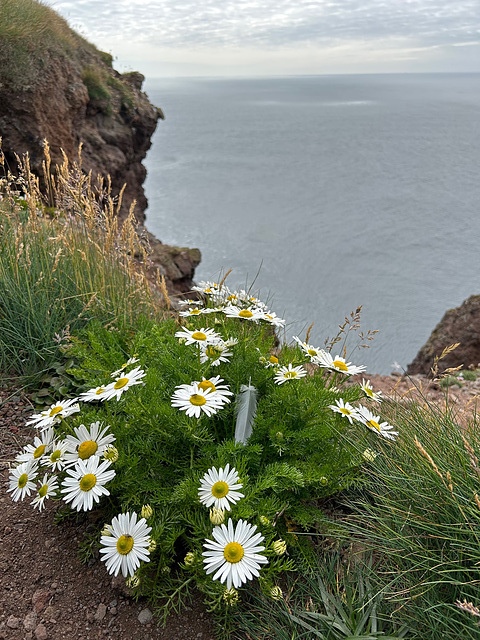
x: 46, y: 593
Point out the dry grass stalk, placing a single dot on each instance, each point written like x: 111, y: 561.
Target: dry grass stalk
x: 426, y: 455
x: 437, y: 359
x: 472, y: 456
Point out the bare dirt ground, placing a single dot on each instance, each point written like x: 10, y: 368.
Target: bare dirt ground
x: 47, y: 594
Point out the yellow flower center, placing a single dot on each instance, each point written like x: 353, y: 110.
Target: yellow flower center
x: 220, y: 489
x: 99, y: 391
x: 124, y: 544
x: 88, y: 481
x: 373, y: 424
x: 245, y: 313
x: 338, y: 364
x: 87, y: 449
x: 212, y: 351
x: 311, y: 352
x: 290, y: 374
x: 233, y: 552
x: 120, y: 383
x: 39, y: 451
x: 368, y: 391
x: 197, y: 400
x: 195, y: 312
x: 54, y: 411
x: 43, y: 490
x: 273, y: 360
x: 55, y: 455
x: 206, y: 385
x: 199, y: 335
x: 22, y: 481
x: 347, y: 412
x: 232, y: 297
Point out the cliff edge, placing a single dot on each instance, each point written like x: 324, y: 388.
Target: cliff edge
x: 55, y: 85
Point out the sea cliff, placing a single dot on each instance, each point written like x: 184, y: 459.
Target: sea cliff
x: 56, y: 86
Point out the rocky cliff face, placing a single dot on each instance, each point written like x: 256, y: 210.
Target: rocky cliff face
x: 462, y: 325
x: 54, y: 85
x: 83, y: 101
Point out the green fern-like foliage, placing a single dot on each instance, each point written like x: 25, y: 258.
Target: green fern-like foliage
x: 295, y: 460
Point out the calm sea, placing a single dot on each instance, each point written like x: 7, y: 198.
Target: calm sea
x: 333, y: 191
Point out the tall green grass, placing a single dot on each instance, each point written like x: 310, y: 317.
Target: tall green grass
x: 61, y: 269
x: 31, y: 34
x: 421, y: 519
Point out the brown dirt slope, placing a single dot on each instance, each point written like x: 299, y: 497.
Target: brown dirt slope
x: 46, y: 593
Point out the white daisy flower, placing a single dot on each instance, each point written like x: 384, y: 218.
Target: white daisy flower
x: 193, y: 400
x: 245, y: 314
x: 124, y: 382
x: 187, y: 303
x: 368, y: 391
x: 127, y: 545
x: 98, y: 393
x: 206, y: 287
x: 273, y: 319
x: 199, y: 336
x: 234, y: 554
x: 214, y: 386
x: 124, y: 366
x: 325, y: 360
x: 219, y: 488
x: 84, y: 483
x: 289, y: 373
x: 38, y: 449
x: 308, y: 349
x: 215, y: 353
x: 345, y: 409
x: 22, y: 480
x: 56, y: 411
x: 366, y: 417
x: 48, y: 487
x: 88, y: 442
x: 56, y: 459
x: 194, y: 311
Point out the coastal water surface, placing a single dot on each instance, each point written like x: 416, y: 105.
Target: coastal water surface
x: 340, y: 190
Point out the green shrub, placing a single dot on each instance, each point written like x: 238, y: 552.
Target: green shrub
x: 296, y: 458
x: 96, y: 84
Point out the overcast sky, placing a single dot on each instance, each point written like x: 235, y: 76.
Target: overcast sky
x: 280, y: 37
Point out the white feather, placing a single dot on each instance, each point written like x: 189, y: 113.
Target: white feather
x: 246, y: 409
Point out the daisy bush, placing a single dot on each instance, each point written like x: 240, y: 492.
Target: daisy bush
x: 208, y: 449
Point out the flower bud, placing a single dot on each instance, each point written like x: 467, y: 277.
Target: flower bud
x: 111, y: 454
x: 133, y: 581
x: 265, y: 521
x: 217, y: 516
x: 152, y: 546
x: 276, y: 593
x: 189, y: 558
x: 106, y: 531
x: 280, y: 547
x: 146, y: 512
x: 231, y: 597
x: 369, y: 456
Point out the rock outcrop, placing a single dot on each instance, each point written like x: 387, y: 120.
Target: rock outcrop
x: 462, y: 325
x: 55, y: 85
x: 113, y: 121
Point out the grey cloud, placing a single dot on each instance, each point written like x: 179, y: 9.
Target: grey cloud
x: 274, y: 23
